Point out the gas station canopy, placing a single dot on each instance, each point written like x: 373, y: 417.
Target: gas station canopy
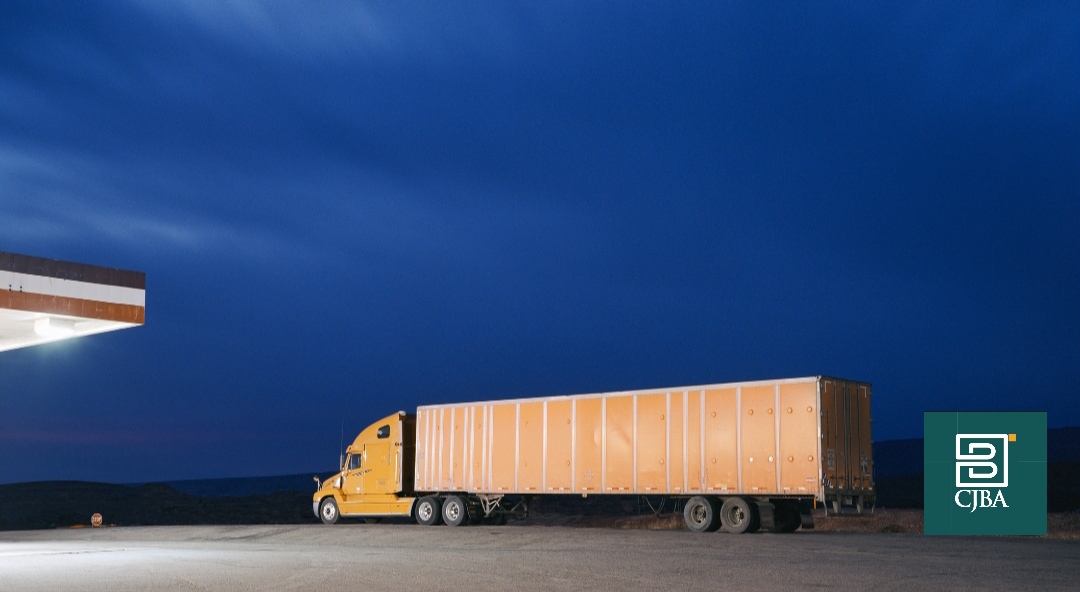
x: 43, y: 300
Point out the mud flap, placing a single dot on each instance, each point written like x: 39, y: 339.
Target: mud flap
x: 767, y: 515
x: 806, y: 513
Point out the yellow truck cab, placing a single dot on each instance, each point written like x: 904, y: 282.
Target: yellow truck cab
x: 371, y: 483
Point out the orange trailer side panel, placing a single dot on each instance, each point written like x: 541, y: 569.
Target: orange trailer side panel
x: 799, y: 437
x: 530, y: 448
x: 758, y: 431
x: 720, y: 450
x: 798, y: 426
x: 619, y: 445
x: 588, y: 446
x: 502, y: 447
x: 695, y: 459
x: 651, y: 443
x: 676, y: 443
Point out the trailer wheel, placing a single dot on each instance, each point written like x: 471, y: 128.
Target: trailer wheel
x: 701, y: 515
x: 328, y: 511
x: 737, y: 515
x: 454, y: 511
x: 427, y: 511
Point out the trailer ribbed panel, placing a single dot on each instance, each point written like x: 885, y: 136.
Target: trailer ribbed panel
x: 753, y: 438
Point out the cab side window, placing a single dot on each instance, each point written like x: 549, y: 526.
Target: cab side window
x: 354, y: 461
x: 384, y: 432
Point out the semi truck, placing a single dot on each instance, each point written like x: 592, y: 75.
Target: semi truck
x: 738, y: 456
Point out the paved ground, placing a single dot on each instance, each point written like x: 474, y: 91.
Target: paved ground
x: 410, y: 557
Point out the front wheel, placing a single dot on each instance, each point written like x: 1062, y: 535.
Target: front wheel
x: 328, y: 511
x: 427, y: 511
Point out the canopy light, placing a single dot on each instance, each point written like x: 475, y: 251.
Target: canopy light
x: 50, y: 328
x: 47, y: 300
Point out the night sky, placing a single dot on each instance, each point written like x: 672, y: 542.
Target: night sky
x: 346, y: 209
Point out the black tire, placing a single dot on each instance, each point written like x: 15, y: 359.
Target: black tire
x: 454, y: 511
x: 737, y: 515
x: 701, y: 515
x: 328, y: 511
x: 428, y: 511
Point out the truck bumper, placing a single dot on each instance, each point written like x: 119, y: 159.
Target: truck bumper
x: 315, y: 508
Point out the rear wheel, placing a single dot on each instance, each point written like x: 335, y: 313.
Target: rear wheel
x: 454, y: 511
x: 328, y: 511
x: 737, y: 515
x: 701, y: 515
x: 427, y: 511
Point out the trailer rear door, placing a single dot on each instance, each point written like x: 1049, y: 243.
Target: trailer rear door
x: 847, y: 447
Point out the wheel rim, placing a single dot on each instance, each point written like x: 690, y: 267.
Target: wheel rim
x: 736, y: 516
x: 697, y: 514
x: 424, y: 511
x: 453, y: 511
x: 328, y: 511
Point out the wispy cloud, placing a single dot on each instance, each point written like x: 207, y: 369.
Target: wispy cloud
x: 360, y: 32
x: 56, y: 198
x: 115, y: 435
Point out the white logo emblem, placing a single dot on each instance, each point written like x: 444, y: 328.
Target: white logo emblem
x: 986, y: 458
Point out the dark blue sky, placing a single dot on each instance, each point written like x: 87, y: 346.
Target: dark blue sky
x: 347, y: 209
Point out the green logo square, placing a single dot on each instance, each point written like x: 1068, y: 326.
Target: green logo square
x: 985, y: 473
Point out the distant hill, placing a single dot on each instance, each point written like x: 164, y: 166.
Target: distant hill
x: 242, y: 486
x: 898, y: 471
x: 57, y: 504
x: 898, y: 457
x: 905, y: 457
x: 1063, y: 445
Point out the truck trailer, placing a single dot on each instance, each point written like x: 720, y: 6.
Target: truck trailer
x: 741, y: 456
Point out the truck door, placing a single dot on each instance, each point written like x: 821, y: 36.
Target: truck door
x: 353, y: 484
x: 379, y: 476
